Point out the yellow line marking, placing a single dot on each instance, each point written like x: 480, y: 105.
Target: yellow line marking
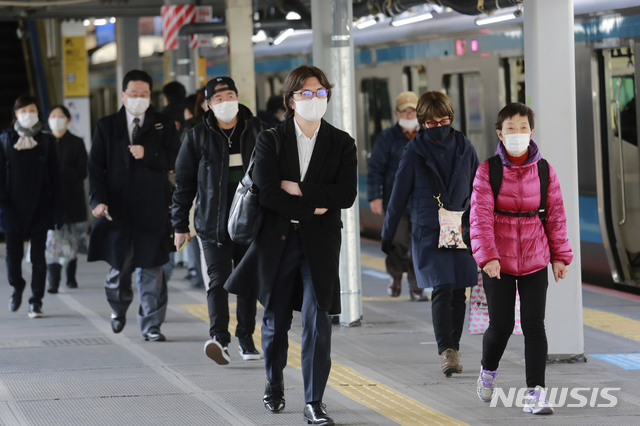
x: 373, y: 262
x: 612, y: 323
x: 385, y: 299
x: 377, y: 396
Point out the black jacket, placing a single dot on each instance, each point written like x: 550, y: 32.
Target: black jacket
x: 137, y: 192
x: 72, y: 159
x: 331, y: 182
x: 30, y: 185
x: 202, y: 169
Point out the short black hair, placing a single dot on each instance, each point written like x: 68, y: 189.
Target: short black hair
x: 275, y: 103
x: 190, y: 103
x: 137, y: 75
x: 62, y: 108
x: 23, y: 101
x: 175, y: 92
x: 513, y: 109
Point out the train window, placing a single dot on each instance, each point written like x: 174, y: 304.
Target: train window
x: 377, y: 109
x: 467, y: 94
x: 514, y: 79
x: 416, y: 79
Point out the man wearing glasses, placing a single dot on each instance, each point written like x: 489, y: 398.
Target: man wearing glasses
x: 131, y: 153
x: 293, y: 263
x: 382, y: 168
x: 212, y: 160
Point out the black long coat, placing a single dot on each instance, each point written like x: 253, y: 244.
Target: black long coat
x: 72, y: 158
x: 30, y: 185
x: 137, y: 192
x: 331, y: 182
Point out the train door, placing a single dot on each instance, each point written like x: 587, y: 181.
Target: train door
x: 618, y: 165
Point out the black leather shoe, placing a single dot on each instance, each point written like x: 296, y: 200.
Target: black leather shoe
x: 154, y: 337
x: 316, y: 414
x: 16, y: 300
x: 274, y: 396
x: 117, y: 324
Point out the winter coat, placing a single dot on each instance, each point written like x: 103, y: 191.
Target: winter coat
x: 72, y: 158
x: 137, y: 192
x: 30, y: 185
x: 523, y: 245
x: 433, y: 266
x: 331, y: 182
x: 383, y: 163
x: 203, y: 170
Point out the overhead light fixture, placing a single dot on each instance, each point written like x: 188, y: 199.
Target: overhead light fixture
x: 259, y: 37
x: 112, y: 20
x: 366, y: 24
x: 293, y: 16
x: 495, y: 19
x: 283, y: 35
x: 411, y: 19
x: 99, y: 22
x: 86, y: 22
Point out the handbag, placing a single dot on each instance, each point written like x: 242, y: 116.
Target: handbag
x: 246, y: 214
x: 479, y: 310
x: 450, y: 221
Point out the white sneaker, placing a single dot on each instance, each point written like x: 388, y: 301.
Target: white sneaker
x: 535, y: 402
x: 214, y: 350
x: 486, y: 384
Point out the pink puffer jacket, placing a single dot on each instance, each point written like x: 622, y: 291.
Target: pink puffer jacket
x: 521, y: 244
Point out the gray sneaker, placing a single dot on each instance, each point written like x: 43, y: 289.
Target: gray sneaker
x: 535, y: 402
x: 486, y: 384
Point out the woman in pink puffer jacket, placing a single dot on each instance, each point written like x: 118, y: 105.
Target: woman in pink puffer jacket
x: 516, y: 248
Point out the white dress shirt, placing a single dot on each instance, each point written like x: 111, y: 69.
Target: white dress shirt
x: 305, y: 148
x: 131, y: 125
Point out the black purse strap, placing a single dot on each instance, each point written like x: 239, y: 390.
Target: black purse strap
x: 435, y: 187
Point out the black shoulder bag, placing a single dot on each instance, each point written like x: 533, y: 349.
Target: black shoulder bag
x: 246, y: 215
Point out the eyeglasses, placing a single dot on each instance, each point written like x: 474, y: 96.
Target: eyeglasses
x: 443, y: 122
x: 308, y: 94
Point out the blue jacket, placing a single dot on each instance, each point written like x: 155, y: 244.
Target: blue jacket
x: 433, y: 266
x: 383, y: 163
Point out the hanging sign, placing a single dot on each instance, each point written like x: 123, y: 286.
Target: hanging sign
x: 74, y: 67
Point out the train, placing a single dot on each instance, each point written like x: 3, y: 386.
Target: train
x: 482, y: 68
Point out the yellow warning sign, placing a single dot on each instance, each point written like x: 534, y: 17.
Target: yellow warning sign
x: 74, y: 67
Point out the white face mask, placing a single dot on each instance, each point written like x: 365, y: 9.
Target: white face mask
x: 57, y: 124
x: 408, y: 124
x: 137, y: 106
x: 225, y: 111
x: 27, y: 119
x: 312, y: 109
x: 517, y: 143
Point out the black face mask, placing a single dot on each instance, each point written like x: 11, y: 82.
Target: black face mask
x: 438, y: 133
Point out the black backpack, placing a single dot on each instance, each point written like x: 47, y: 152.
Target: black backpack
x: 495, y: 178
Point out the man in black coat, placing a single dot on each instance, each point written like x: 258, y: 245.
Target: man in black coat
x: 212, y: 160
x: 132, y: 152
x: 294, y: 261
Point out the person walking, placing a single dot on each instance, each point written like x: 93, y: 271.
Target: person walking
x: 515, y: 234
x: 437, y: 166
x: 212, y: 161
x: 382, y: 168
x: 30, y: 199
x: 132, y: 152
x: 305, y: 175
x: 63, y: 244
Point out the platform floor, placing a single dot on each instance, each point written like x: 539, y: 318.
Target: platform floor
x: 70, y: 369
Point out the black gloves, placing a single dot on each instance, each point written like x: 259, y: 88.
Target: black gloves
x: 387, y: 246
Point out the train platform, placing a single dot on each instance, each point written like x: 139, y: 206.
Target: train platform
x: 70, y: 369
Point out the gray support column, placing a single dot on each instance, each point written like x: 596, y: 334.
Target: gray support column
x: 551, y: 92
x: 333, y: 53
x: 127, y: 35
x: 241, y: 60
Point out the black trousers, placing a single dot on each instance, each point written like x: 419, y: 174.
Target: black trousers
x: 501, y: 300
x: 399, y: 260
x: 448, y: 308
x: 218, y: 262
x: 316, y: 323
x: 15, y: 253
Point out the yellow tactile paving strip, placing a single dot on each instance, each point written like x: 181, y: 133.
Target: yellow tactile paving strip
x: 392, y: 404
x: 612, y: 323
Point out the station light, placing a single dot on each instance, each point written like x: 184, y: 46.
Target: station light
x: 366, y: 24
x: 112, y: 20
x: 495, y: 19
x: 259, y: 37
x: 283, y: 35
x: 475, y: 46
x: 411, y: 20
x: 293, y: 16
x: 86, y: 22
x: 99, y: 22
